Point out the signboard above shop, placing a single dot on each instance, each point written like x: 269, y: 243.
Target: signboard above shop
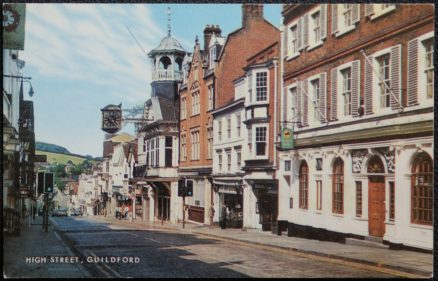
x: 287, y: 139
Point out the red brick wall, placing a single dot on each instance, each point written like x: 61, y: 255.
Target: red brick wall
x: 198, y: 121
x: 405, y: 23
x: 241, y: 45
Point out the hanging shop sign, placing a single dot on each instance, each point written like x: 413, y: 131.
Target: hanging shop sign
x: 287, y: 138
x: 14, y: 18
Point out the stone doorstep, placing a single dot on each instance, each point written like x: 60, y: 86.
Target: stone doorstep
x: 365, y: 243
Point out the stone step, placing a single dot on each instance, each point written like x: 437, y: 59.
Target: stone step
x: 374, y: 239
x: 365, y: 243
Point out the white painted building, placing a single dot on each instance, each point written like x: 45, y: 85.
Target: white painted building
x: 229, y: 151
x: 362, y: 164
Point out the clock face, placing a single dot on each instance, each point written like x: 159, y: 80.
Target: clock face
x: 10, y: 18
x: 112, y: 119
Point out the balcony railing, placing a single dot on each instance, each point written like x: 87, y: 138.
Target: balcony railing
x: 160, y: 75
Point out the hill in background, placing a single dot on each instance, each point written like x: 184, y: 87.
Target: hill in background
x: 60, y: 154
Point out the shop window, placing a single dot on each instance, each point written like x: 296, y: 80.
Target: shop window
x: 422, y: 190
x: 391, y: 201
x: 303, y: 185
x: 338, y: 187
x: 358, y: 199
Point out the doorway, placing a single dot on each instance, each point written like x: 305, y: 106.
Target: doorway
x: 376, y: 198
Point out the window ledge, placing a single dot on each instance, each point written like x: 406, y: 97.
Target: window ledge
x: 382, y: 12
x: 390, y: 222
x: 360, y: 219
x: 429, y: 227
x: 314, y: 46
x: 338, y: 215
x: 291, y: 57
x: 319, y: 212
x: 345, y: 30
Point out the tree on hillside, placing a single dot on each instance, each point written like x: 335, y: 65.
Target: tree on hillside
x: 58, y: 170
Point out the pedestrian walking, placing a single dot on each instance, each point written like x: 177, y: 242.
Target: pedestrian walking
x: 224, y: 217
x: 126, y: 210
x: 211, y: 215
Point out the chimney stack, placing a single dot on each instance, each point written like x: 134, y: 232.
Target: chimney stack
x: 251, y: 12
x: 208, y: 31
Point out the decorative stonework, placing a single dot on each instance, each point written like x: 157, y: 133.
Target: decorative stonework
x: 389, y: 158
x: 358, y: 156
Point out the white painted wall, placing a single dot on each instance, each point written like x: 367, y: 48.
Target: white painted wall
x: 399, y: 231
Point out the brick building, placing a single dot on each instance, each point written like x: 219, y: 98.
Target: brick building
x: 358, y: 94
x: 196, y: 123
x: 247, y: 67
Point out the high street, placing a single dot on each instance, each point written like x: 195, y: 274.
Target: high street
x: 168, y: 253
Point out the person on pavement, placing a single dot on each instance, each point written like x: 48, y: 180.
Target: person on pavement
x: 211, y: 215
x: 224, y: 217
x: 126, y: 210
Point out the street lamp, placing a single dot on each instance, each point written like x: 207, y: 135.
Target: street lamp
x: 23, y: 79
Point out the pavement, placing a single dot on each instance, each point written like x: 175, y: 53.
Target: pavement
x: 410, y: 262
x: 27, y: 255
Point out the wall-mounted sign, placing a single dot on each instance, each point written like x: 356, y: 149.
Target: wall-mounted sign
x: 287, y: 139
x: 14, y: 18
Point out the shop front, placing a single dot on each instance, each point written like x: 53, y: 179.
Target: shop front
x: 230, y: 196
x: 266, y: 192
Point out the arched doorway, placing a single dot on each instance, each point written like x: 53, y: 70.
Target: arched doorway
x: 376, y: 197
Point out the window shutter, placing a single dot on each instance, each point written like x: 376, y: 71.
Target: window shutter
x: 412, y: 72
x: 285, y: 42
x: 334, y: 18
x: 286, y: 94
x: 355, y: 13
x: 355, y: 86
x: 322, y: 97
x: 368, y: 87
x: 305, y: 102
x: 300, y: 33
x: 396, y: 76
x: 306, y: 31
x: 299, y: 105
x: 334, y: 77
x: 369, y: 9
x: 323, y: 21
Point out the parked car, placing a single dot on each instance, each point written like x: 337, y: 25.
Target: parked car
x: 76, y: 212
x: 60, y: 213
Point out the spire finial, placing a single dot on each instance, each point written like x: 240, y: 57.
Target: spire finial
x: 169, y: 12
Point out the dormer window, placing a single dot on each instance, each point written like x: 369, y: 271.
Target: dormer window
x: 212, y: 56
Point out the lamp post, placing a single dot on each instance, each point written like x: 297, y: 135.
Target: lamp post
x: 23, y: 79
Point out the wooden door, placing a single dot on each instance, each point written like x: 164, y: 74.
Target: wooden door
x: 376, y: 206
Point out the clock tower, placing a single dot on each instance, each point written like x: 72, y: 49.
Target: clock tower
x: 167, y: 66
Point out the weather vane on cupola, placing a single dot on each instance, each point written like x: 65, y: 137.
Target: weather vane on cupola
x: 169, y: 12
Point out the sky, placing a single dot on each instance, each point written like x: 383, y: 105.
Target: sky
x: 81, y: 57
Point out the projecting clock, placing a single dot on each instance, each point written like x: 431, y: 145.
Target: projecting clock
x: 111, y: 118
x: 10, y: 18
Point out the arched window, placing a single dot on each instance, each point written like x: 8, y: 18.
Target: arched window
x: 422, y: 189
x: 164, y: 63
x: 178, y: 65
x: 338, y: 186
x: 304, y: 185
